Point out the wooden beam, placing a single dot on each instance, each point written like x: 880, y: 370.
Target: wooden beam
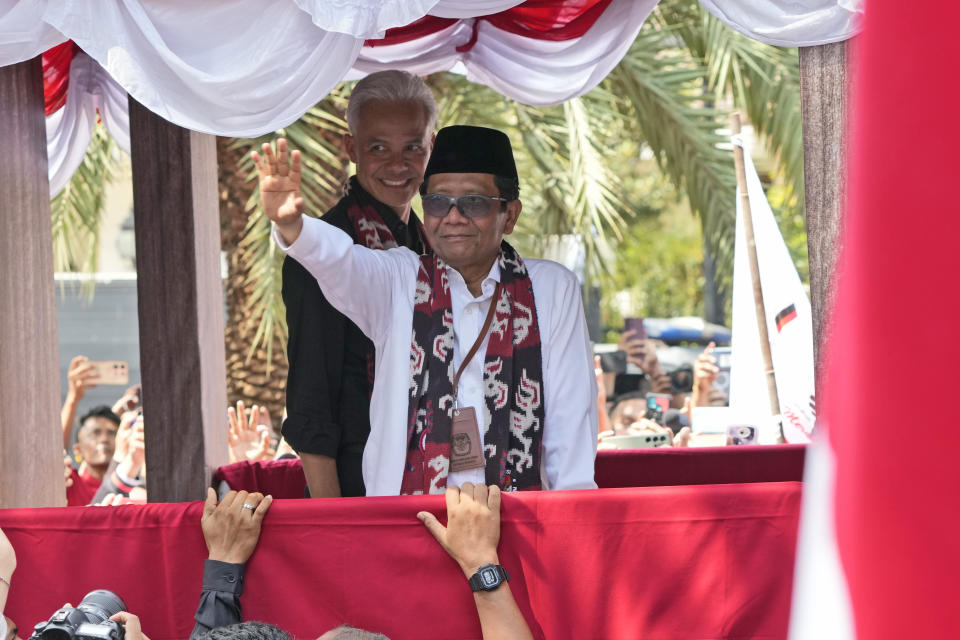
x: 180, y: 300
x: 31, y: 464
x: 825, y: 77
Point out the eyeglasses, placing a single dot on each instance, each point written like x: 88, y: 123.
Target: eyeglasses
x: 471, y: 206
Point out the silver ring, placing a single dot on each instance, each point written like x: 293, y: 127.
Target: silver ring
x: 249, y: 506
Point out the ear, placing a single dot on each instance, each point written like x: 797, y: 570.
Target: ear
x: 350, y: 145
x: 514, y: 207
x: 76, y: 451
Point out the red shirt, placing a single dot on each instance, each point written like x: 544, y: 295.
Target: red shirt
x: 84, y: 487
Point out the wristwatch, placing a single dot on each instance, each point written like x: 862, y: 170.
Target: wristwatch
x: 488, y: 577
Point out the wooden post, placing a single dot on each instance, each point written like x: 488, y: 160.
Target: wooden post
x: 825, y: 78
x: 31, y: 461
x: 180, y: 300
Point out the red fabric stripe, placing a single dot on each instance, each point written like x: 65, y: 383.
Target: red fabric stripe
x: 56, y: 75
x: 540, y: 19
x: 425, y: 26
x: 550, y: 19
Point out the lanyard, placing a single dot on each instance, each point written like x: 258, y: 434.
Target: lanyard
x: 476, y: 345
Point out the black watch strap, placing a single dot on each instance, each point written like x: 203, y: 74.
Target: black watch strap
x: 488, y: 577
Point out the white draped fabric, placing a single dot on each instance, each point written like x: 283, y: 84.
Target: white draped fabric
x: 23, y: 32
x: 371, y: 18
x: 69, y: 129
x: 233, y: 68
x: 790, y: 23
x: 248, y: 67
x: 535, y: 72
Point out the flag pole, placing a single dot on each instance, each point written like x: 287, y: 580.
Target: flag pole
x: 755, y: 270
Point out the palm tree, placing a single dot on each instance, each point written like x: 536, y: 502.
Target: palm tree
x: 671, y: 95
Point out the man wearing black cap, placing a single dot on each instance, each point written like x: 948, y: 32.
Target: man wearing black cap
x: 484, y: 368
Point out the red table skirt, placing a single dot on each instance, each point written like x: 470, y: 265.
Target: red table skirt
x: 655, y: 563
x: 636, y: 468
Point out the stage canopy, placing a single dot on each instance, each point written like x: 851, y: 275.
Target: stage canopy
x: 245, y: 68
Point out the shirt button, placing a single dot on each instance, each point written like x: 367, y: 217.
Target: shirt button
x: 231, y: 578
x: 469, y: 310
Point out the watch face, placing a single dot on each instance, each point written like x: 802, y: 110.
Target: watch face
x: 489, y: 577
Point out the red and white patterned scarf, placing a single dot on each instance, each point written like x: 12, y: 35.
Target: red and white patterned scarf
x: 372, y: 232
x: 512, y: 380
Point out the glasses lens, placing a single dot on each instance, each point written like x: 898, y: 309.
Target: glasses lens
x: 474, y: 206
x: 436, y: 206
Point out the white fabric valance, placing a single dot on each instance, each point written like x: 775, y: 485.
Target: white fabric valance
x: 795, y: 23
x: 69, y: 128
x: 247, y: 67
x: 371, y: 18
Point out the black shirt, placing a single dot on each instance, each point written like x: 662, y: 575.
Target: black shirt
x: 331, y: 360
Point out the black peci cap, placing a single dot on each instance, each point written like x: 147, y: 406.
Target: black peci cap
x: 468, y: 149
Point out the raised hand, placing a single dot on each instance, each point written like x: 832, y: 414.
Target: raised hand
x: 248, y: 439
x: 705, y: 373
x: 128, y: 401
x: 80, y: 377
x: 280, y: 188
x: 642, y: 353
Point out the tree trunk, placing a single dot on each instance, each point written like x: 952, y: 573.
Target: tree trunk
x: 259, y: 381
x: 713, y: 297
x: 262, y: 380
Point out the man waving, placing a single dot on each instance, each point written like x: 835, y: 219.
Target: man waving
x: 484, y: 368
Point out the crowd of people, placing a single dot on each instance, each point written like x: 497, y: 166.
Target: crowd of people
x: 426, y: 356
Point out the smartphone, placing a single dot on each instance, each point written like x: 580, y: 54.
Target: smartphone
x: 722, y: 383
x: 635, y: 441
x: 635, y: 325
x: 613, y: 362
x: 657, y: 405
x: 742, y: 434
x: 111, y: 372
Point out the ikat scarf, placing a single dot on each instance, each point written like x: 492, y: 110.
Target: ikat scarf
x: 371, y: 231
x: 512, y: 380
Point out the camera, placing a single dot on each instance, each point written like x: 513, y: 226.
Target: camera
x: 88, y: 620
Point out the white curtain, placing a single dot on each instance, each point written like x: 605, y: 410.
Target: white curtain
x: 371, y: 18
x: 23, y: 32
x: 248, y: 67
x: 790, y: 23
x: 531, y: 71
x: 69, y: 128
x: 238, y: 68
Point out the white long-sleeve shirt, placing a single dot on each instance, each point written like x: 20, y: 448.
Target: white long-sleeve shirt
x: 375, y: 289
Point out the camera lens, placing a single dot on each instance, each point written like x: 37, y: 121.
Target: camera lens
x: 102, y: 603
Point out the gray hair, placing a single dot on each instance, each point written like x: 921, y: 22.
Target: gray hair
x: 346, y: 632
x: 391, y: 86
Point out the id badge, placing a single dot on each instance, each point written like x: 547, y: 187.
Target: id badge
x: 466, y: 452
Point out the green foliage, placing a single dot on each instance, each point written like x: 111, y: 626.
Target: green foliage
x: 317, y: 135
x: 76, y: 212
x: 658, y: 270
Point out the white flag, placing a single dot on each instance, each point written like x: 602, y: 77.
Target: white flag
x: 788, y: 325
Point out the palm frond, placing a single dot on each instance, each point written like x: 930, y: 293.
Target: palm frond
x: 76, y: 212
x: 664, y: 92
x: 317, y: 135
x: 574, y: 190
x: 760, y: 79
